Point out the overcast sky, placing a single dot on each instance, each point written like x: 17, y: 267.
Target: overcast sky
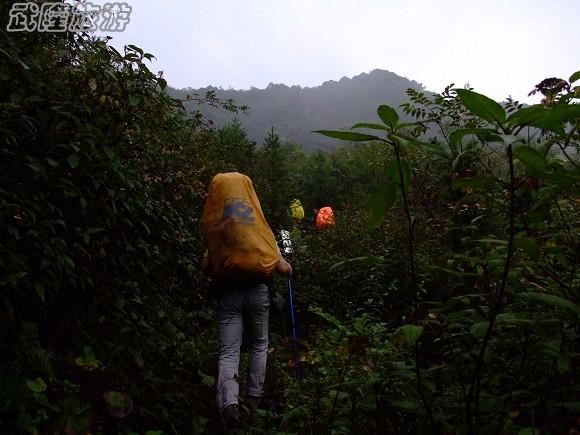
x: 500, y: 47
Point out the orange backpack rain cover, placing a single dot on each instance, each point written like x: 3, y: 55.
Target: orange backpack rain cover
x: 324, y: 218
x: 239, y: 240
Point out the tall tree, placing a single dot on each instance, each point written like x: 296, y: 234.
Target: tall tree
x: 229, y: 150
x: 321, y: 182
x: 273, y: 179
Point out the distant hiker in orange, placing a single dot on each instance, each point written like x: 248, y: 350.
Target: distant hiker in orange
x: 324, y: 219
x: 241, y: 257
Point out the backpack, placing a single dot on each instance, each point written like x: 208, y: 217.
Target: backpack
x: 324, y: 218
x: 240, y: 243
x: 297, y: 210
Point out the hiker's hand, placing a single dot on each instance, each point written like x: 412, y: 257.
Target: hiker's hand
x: 284, y: 268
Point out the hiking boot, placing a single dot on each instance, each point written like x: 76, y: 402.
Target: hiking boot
x: 231, y: 416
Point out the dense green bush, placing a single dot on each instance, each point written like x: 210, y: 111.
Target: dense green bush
x: 100, y: 196
x: 486, y: 357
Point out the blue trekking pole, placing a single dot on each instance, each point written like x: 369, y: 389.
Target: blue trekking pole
x: 288, y: 250
x: 298, y: 372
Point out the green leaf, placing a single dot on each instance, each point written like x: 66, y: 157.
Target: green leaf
x: 135, y: 48
x: 547, y: 118
x: 553, y: 300
x: 429, y: 386
x: 379, y: 202
x: 574, y: 77
x: 570, y: 406
x: 485, y: 134
x: 347, y: 135
x: 139, y: 359
x: 479, y: 329
x: 482, y: 106
x: 457, y: 159
x: 404, y: 143
x: 43, y: 400
x: 23, y: 65
x: 492, y: 241
x: 510, y: 139
x: 40, y: 290
x: 206, y: 379
x: 162, y: 83
x: 89, y: 360
x: 73, y: 160
x: 388, y: 115
x: 531, y: 158
x: 526, y: 114
x: 563, y: 113
x: 411, y: 333
x: 477, y: 182
x: 119, y: 404
x: 407, y: 404
x: 369, y: 125
x: 393, y: 172
x: 414, y: 141
x: 66, y: 259
x: 108, y: 152
x: 529, y: 245
x: 13, y: 278
x: 513, y: 319
x: 134, y: 100
x: 37, y: 385
x: 34, y: 167
x: 146, y: 228
x: 563, y: 362
x: 407, y: 125
x: 337, y: 395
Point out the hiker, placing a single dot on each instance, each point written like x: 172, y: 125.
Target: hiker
x: 296, y: 211
x: 324, y: 218
x: 241, y: 257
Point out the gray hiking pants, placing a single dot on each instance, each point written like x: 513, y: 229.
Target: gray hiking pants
x: 238, y: 310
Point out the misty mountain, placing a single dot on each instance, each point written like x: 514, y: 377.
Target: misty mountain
x: 295, y: 111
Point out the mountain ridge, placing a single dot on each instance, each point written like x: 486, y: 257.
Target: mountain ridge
x: 295, y: 111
